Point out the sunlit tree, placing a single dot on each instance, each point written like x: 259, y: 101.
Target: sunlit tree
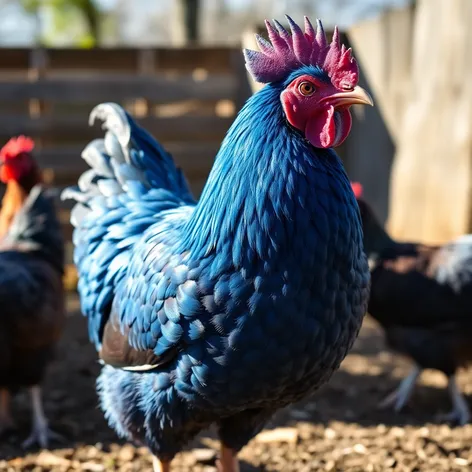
x: 186, y: 21
x: 64, y: 14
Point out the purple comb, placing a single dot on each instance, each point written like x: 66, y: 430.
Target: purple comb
x: 287, y: 52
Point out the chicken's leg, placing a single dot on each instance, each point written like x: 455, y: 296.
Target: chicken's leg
x: 399, y: 397
x: 228, y: 461
x: 6, y: 421
x: 40, y: 434
x: 460, y: 409
x: 160, y: 466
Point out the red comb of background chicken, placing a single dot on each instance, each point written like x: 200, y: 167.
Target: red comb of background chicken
x: 15, y: 147
x: 357, y: 189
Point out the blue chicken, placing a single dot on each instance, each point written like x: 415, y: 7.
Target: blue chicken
x: 226, y: 309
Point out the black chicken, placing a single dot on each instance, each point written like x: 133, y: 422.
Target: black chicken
x: 422, y: 297
x: 31, y: 290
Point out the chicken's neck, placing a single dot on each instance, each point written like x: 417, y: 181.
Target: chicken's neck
x: 267, y: 189
x: 13, y: 200
x: 38, y: 230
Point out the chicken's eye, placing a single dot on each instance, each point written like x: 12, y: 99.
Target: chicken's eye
x: 307, y: 88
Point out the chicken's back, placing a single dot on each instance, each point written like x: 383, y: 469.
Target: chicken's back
x: 31, y: 317
x: 32, y: 309
x: 447, y: 347
x: 422, y: 296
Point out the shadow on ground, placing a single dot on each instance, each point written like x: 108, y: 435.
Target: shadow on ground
x: 367, y: 375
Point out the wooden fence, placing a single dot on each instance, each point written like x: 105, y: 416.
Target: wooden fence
x: 430, y: 120
x: 186, y: 98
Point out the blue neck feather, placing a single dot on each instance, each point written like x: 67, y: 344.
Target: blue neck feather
x: 262, y: 189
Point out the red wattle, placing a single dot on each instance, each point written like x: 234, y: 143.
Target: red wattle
x: 8, y: 173
x: 325, y: 129
x: 345, y: 127
x: 17, y: 168
x: 320, y: 129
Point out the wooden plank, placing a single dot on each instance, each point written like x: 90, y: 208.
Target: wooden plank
x: 14, y: 58
x: 368, y: 151
x: 127, y: 59
x: 67, y: 230
x: 75, y: 127
x: 432, y: 171
x: 18, y: 108
x: 103, y: 59
x: 215, y: 59
x: 160, y: 89
x: 382, y: 45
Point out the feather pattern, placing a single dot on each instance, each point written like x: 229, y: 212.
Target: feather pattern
x: 123, y: 170
x: 186, y: 301
x: 421, y: 295
x: 31, y: 293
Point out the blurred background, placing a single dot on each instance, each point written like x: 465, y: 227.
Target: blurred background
x: 177, y: 66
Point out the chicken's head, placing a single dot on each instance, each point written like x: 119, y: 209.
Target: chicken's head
x: 16, y: 161
x: 319, y: 80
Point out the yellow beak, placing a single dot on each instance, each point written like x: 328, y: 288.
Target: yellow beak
x: 356, y: 96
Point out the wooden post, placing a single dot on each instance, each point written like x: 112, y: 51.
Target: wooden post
x: 38, y: 65
x: 146, y: 67
x: 185, y: 22
x: 432, y: 172
x: 383, y: 45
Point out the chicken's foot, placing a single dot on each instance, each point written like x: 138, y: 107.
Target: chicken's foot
x: 40, y: 434
x: 160, y: 466
x: 228, y: 461
x: 6, y: 421
x: 460, y: 412
x: 399, y: 397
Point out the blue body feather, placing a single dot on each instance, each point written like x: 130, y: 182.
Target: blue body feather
x: 259, y: 288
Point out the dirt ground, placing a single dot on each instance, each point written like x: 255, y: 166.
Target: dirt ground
x: 338, y: 429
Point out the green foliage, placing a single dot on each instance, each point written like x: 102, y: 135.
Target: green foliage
x: 31, y: 6
x: 65, y: 13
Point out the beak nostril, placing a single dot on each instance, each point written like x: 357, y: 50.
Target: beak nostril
x: 356, y: 96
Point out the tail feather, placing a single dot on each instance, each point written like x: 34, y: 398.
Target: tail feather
x: 131, y: 181
x: 126, y: 160
x: 95, y: 155
x: 452, y: 264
